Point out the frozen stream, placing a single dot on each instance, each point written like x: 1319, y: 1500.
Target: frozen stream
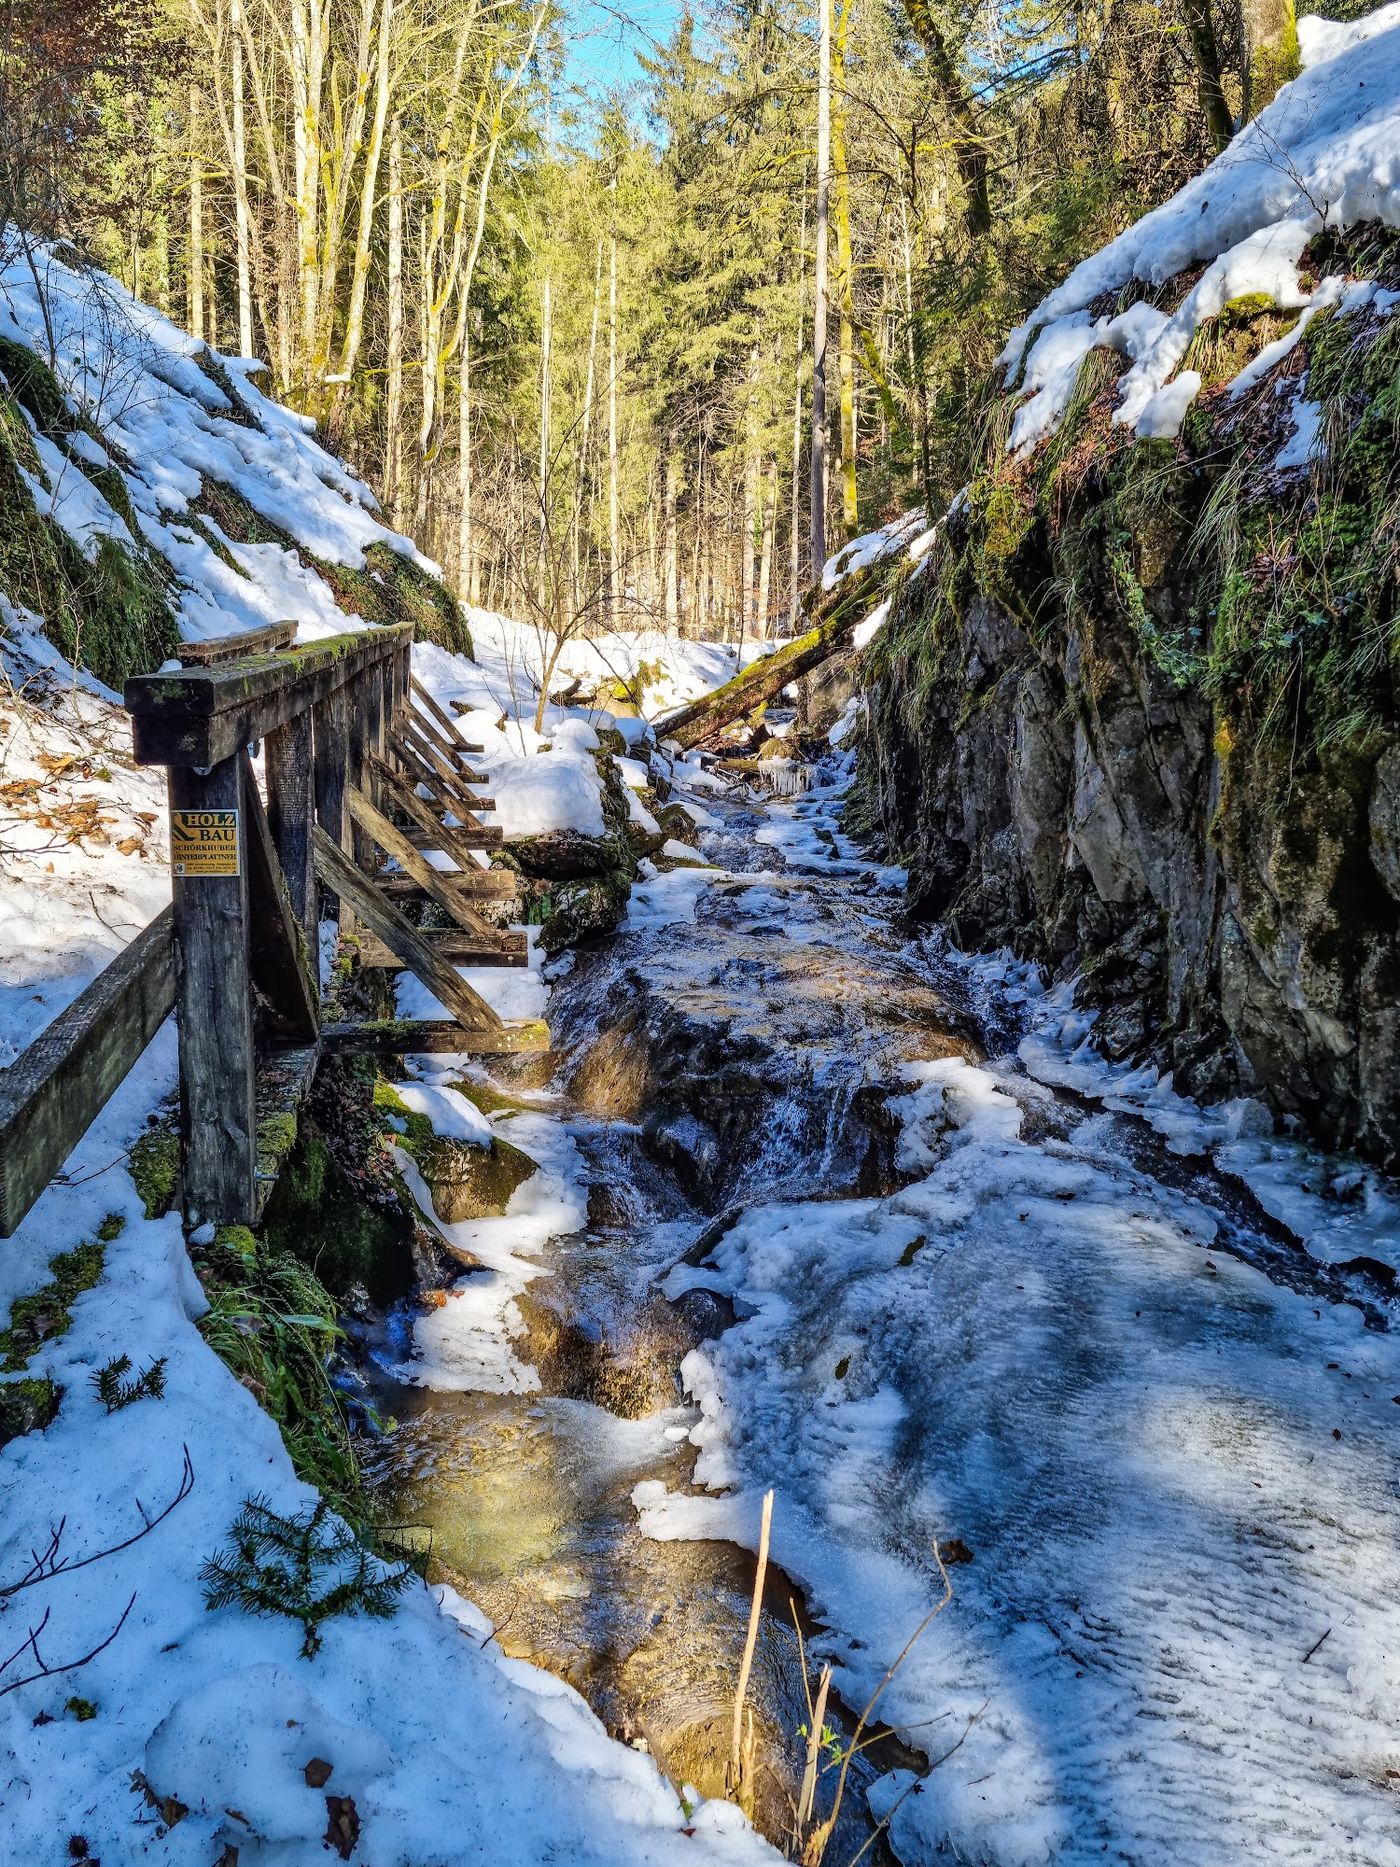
x: 827, y: 1211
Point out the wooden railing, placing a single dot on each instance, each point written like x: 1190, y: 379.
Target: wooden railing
x: 361, y: 766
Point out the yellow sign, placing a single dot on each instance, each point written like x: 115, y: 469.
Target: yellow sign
x: 204, y: 842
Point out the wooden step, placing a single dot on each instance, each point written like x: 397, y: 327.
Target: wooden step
x: 483, y: 836
x: 428, y: 704
x: 457, y: 949
x: 488, y: 884
x: 407, y: 1037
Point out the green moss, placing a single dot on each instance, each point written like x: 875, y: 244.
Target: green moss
x: 275, y: 1140
x: 82, y: 1709
x: 36, y: 388
x: 111, y: 1227
x: 46, y: 1315
x: 154, y: 1166
x: 27, y: 1406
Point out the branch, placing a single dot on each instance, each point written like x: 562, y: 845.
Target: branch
x: 47, y: 1563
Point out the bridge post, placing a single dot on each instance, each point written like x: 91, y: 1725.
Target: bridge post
x: 291, y: 810
x: 215, y: 1003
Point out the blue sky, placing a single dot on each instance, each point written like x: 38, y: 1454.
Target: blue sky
x: 604, y: 39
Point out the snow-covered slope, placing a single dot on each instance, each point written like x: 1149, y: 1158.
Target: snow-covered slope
x: 149, y: 452
x: 1324, y: 155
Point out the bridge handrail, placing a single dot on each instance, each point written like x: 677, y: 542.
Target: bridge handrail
x: 200, y: 715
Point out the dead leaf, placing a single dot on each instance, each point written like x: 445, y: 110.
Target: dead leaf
x: 318, y: 1773
x: 129, y: 845
x: 342, y: 1825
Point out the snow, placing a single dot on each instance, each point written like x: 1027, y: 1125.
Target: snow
x: 1306, y: 438
x: 1324, y: 154
x: 169, y: 427
x: 452, y: 1115
x: 910, y: 531
x: 667, y: 899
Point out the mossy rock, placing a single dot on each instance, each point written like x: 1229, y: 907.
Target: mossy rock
x: 111, y: 616
x: 36, y: 388
x: 678, y: 823
x: 154, y: 1166
x: 318, y: 1217
x: 27, y: 1406
x: 468, y: 1182
x: 582, y: 910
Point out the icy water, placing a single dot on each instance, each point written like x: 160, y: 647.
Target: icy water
x: 800, y: 1177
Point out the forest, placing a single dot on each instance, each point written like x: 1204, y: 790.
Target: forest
x: 571, y: 338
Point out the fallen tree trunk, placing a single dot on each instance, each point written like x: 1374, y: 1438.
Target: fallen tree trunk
x: 702, y: 719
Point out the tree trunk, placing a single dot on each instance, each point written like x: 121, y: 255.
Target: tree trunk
x: 765, y: 562
x: 795, y: 522
x: 393, y: 336
x: 1205, y: 55
x: 614, y: 510
x: 845, y: 271
x: 242, y: 238
x: 466, y: 551
x: 546, y: 387
x: 671, y: 572
x: 194, y: 291
x: 819, y: 309
x: 747, y: 527
x: 1269, y: 29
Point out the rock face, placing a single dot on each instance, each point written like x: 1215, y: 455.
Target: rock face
x: 1232, y: 907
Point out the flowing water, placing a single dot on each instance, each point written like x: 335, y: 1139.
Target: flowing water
x: 707, y: 1063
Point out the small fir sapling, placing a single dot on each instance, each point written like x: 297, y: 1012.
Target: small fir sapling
x: 116, y: 1392
x: 307, y: 1568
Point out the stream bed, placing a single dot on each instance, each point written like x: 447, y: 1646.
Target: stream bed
x: 743, y: 1060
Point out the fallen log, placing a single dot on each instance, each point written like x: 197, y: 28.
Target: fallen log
x: 692, y: 725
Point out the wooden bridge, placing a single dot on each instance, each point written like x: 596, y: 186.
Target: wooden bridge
x: 362, y: 770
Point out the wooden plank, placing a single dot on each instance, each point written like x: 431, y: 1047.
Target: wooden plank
x: 412, y: 1037
x: 485, y: 885
x: 215, y: 1007
x: 288, y: 756
x: 338, y: 872
x: 486, y: 836
x: 203, y: 715
x: 51, y: 1093
x: 415, y: 729
x: 452, y: 842
x: 283, y: 1083
x: 447, y: 791
x: 456, y: 759
x: 429, y: 704
x: 449, y: 890
x: 457, y: 949
x: 278, y: 950
x: 277, y: 635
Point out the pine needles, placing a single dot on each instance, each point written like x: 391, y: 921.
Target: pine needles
x: 115, y: 1391
x: 307, y: 1568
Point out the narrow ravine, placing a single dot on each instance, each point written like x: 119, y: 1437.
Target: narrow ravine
x: 750, y: 1044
